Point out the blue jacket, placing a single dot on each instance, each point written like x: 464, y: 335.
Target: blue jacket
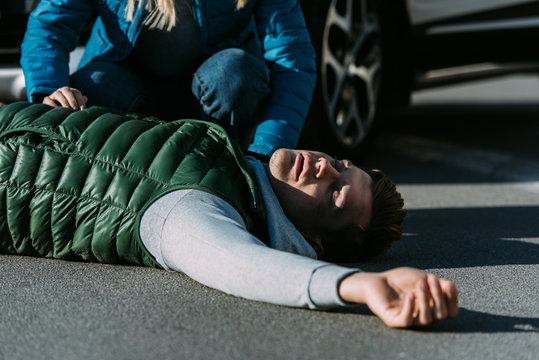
x: 280, y: 36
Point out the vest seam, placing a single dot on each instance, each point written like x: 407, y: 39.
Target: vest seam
x: 93, y: 160
x: 7, y: 185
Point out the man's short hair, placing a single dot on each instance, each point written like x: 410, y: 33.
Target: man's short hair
x: 354, y: 243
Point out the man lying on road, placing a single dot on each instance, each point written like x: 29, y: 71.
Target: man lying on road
x: 96, y: 186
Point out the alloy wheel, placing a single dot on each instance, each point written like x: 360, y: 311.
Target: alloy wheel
x: 350, y: 68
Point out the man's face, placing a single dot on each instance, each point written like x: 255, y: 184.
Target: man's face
x: 319, y: 193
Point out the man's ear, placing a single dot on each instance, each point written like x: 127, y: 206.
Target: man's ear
x: 315, y: 240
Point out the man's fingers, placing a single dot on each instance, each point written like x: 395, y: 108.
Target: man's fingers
x: 406, y: 317
x: 425, y: 312
x: 439, y: 300
x: 402, y: 315
x: 452, y: 297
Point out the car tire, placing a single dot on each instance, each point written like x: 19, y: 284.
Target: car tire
x: 363, y: 71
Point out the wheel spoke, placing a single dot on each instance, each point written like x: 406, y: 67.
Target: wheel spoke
x: 336, y: 19
x: 367, y: 29
x: 333, y: 94
x: 356, y: 118
x: 372, y: 88
x: 331, y: 61
x: 358, y: 43
x: 369, y: 25
x: 352, y: 119
x: 367, y: 74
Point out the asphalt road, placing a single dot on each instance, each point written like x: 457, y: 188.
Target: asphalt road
x: 469, y: 172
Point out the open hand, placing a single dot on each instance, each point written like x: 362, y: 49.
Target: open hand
x: 402, y: 297
x: 67, y: 97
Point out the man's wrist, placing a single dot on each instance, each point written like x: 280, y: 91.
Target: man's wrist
x: 351, y: 288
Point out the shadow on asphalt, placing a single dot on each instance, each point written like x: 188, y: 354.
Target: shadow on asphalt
x: 469, y: 237
x: 468, y: 321
x: 464, y: 237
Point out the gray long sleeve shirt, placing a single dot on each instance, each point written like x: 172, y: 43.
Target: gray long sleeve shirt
x: 203, y: 236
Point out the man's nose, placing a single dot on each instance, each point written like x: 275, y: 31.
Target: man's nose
x: 326, y: 171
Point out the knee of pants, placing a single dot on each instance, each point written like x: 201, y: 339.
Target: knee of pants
x: 112, y: 85
x: 231, y: 80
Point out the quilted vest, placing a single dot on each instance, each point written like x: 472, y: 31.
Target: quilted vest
x: 74, y: 184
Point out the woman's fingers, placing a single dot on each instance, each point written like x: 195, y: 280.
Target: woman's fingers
x: 57, y: 98
x: 81, y: 100
x: 47, y: 100
x: 67, y: 97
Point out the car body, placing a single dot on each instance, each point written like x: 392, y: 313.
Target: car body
x: 371, y: 54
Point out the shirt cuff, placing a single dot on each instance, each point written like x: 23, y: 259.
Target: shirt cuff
x: 324, y: 285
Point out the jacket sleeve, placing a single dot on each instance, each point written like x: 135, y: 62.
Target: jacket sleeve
x: 52, y: 32
x: 290, y: 55
x: 205, y: 238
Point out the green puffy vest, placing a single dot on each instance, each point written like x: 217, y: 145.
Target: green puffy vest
x: 74, y: 184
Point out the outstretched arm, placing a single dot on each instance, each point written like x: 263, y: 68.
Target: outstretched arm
x: 402, y: 297
x: 204, y: 237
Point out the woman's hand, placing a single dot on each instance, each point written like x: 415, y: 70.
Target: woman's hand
x: 402, y: 297
x: 67, y: 97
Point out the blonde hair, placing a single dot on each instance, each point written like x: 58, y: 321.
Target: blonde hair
x: 162, y: 13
